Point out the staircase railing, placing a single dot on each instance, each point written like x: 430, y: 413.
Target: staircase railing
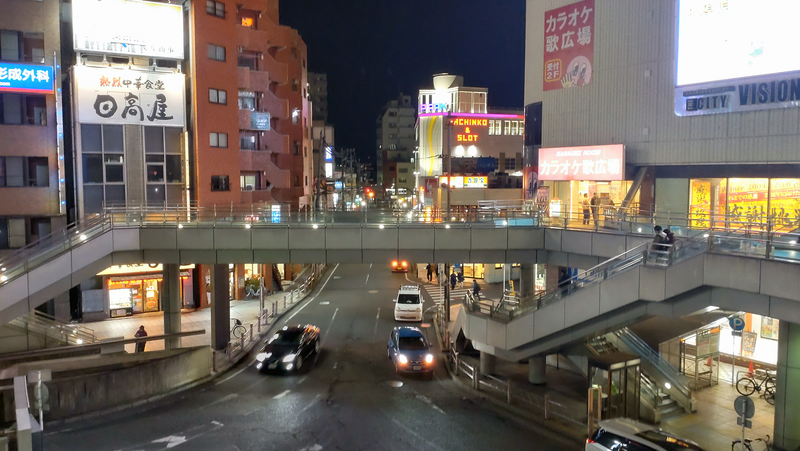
x: 52, y: 330
x: 677, y: 380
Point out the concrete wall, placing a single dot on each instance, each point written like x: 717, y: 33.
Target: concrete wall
x: 127, y: 378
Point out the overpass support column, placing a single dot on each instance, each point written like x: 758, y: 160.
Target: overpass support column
x: 537, y: 370
x: 487, y: 363
x: 527, y: 280
x: 171, y: 303
x: 220, y: 308
x: 787, y: 396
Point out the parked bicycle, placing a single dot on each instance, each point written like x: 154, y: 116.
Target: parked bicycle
x: 250, y: 293
x: 238, y: 329
x: 749, y: 384
x: 758, y: 444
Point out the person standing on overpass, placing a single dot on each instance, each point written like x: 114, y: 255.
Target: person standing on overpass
x: 140, y: 334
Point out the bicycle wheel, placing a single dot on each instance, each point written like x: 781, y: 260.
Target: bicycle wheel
x: 769, y: 395
x: 736, y: 445
x: 746, y: 386
x: 238, y: 331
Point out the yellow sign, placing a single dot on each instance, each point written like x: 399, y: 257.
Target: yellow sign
x: 701, y: 204
x: 136, y: 269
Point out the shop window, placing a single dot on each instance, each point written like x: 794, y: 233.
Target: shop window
x: 219, y: 140
x: 215, y: 8
x: 23, y: 109
x: 22, y: 46
x: 216, y: 52
x: 172, y: 139
x: 154, y: 140
x: 156, y: 194
x: 218, y: 96
x: 155, y: 168
x: 220, y: 183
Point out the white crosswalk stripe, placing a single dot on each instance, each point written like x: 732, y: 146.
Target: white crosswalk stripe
x: 436, y: 293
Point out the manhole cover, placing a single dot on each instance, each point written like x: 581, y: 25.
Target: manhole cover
x: 395, y: 384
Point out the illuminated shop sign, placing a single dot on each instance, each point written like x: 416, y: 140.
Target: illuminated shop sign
x: 116, y: 96
x: 731, y: 56
x: 434, y: 108
x: 465, y: 128
x: 466, y: 181
x: 128, y: 28
x: 25, y: 78
x: 591, y: 163
x: 137, y: 269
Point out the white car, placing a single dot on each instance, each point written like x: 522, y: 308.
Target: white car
x: 622, y: 434
x: 408, y: 304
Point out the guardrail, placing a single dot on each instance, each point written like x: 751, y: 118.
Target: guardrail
x: 549, y: 407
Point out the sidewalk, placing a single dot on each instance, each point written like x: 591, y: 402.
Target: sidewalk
x: 245, y: 311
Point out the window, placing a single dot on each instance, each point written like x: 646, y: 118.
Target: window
x: 296, y: 147
x: 392, y: 125
x: 392, y: 136
x: 249, y: 59
x: 216, y: 52
x: 295, y: 85
x: 247, y: 100
x: 24, y: 171
x: 402, y: 180
x: 306, y: 180
x: 220, y: 183
x: 296, y: 181
x: 219, y: 140
x: 215, y: 8
x: 392, y: 113
x: 403, y: 170
x: 218, y: 96
x: 21, y: 46
x: 18, y: 109
x: 248, y: 18
x: 38, y: 172
x: 13, y: 173
x: 250, y: 181
x: 248, y: 141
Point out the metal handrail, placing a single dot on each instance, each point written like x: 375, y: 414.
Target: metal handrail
x: 678, y: 380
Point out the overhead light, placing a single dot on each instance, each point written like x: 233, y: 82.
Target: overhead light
x: 180, y: 226
x: 447, y: 226
x: 247, y: 226
x: 380, y: 226
x: 793, y: 242
x: 315, y: 226
x: 639, y: 230
x: 79, y: 341
x: 667, y: 385
x: 83, y: 237
x: 705, y: 235
x: 3, y: 278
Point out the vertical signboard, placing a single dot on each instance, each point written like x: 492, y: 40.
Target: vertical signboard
x: 568, y: 46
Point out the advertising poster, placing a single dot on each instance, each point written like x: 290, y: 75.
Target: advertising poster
x: 568, y: 46
x: 707, y: 343
x: 543, y: 200
x: 769, y: 328
x: 701, y: 204
x: 749, y: 343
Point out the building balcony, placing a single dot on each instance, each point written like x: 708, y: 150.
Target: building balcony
x: 277, y: 107
x: 262, y: 41
x: 265, y: 162
x: 257, y: 197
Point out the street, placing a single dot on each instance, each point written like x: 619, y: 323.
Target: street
x: 347, y: 398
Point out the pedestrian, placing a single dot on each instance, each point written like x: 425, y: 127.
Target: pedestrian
x: 461, y: 279
x: 476, y: 289
x: 670, y: 237
x: 430, y: 272
x: 595, y: 204
x: 586, y: 209
x: 658, y: 239
x: 436, y: 269
x: 140, y: 334
x: 453, y: 280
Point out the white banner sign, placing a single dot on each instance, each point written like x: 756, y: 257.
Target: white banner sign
x: 128, y: 28
x: 114, y: 96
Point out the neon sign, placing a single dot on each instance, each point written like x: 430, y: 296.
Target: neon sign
x: 467, y: 135
x: 26, y: 78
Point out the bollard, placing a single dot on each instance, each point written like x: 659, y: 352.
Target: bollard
x: 251, y: 331
x: 455, y: 360
x: 260, y: 316
x: 242, y: 343
x: 284, y: 302
x: 476, y: 378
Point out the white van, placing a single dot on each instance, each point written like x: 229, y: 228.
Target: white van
x: 408, y: 304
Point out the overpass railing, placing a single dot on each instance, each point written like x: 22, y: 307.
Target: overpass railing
x: 770, y: 237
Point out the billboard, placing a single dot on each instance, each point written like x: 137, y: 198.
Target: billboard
x: 591, y: 163
x: 128, y: 28
x: 26, y: 78
x: 568, y: 46
x: 121, y: 96
x: 732, y: 56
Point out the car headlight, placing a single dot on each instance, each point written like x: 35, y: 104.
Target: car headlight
x: 263, y: 356
x: 429, y: 358
x: 289, y: 358
x: 403, y: 359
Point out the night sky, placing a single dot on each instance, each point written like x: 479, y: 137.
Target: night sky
x: 374, y: 49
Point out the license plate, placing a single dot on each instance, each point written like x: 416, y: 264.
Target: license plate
x: 272, y: 366
x: 416, y: 368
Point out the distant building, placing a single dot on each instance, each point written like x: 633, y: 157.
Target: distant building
x: 396, y: 144
x: 318, y: 92
x: 483, y: 147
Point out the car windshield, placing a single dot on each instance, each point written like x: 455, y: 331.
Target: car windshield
x: 412, y: 344
x: 286, y: 337
x: 408, y: 299
x: 668, y: 442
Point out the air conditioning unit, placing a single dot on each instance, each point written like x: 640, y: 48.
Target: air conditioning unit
x: 249, y: 188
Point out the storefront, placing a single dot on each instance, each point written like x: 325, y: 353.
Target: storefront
x: 758, y: 341
x: 745, y: 203
x: 573, y: 176
x: 134, y: 289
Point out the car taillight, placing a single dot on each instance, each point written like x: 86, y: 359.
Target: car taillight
x: 405, y: 264
x: 394, y: 263
x: 588, y: 441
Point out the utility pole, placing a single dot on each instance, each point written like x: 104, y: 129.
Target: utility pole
x: 449, y: 187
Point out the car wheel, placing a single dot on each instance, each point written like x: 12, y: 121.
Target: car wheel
x: 317, y: 346
x: 299, y: 362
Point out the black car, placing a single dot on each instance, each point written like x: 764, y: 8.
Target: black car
x: 288, y: 348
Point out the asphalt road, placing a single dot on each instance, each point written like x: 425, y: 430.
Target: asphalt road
x: 348, y: 399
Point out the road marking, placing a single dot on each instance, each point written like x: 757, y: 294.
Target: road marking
x: 329, y: 327
x: 373, y: 291
x: 223, y: 399
x: 365, y: 282
x: 428, y: 401
x: 377, y: 318
x: 281, y: 395
x: 370, y: 266
x: 324, y: 303
x: 315, y: 296
x: 334, y: 365
x: 337, y: 277
x: 171, y: 440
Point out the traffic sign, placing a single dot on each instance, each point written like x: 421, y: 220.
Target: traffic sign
x: 744, y: 406
x: 737, y: 323
x: 736, y: 333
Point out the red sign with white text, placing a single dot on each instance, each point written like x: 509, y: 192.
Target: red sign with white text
x: 568, y: 46
x: 592, y: 163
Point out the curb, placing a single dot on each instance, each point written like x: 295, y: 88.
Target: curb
x: 552, y: 426
x: 177, y: 390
